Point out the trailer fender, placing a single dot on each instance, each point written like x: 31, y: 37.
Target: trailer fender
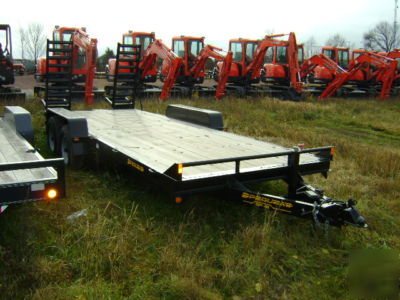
x: 20, y: 119
x: 204, y: 117
x: 77, y: 129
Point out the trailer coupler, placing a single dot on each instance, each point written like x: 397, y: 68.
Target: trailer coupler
x: 308, y: 202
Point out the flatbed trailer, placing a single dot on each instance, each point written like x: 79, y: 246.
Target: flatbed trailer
x: 24, y: 174
x: 186, y: 152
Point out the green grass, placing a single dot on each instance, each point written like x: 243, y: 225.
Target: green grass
x: 136, y: 243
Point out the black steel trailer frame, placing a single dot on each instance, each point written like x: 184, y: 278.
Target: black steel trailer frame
x: 72, y: 134
x: 39, y: 176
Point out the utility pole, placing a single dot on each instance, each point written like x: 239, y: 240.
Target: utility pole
x: 395, y: 24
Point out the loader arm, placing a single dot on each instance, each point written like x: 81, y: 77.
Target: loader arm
x: 323, y: 61
x: 386, y: 73
x: 293, y: 60
x: 82, y: 40
x: 158, y: 49
x: 198, y: 67
x: 270, y: 41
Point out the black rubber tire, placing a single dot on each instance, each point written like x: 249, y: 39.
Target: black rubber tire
x: 71, y: 160
x: 53, y: 134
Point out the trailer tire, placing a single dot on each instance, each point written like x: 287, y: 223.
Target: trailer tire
x: 53, y: 140
x: 71, y: 160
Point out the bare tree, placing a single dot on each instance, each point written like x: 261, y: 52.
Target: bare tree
x: 381, y: 37
x: 35, y: 40
x: 351, y: 45
x: 269, y: 31
x: 336, y: 40
x: 22, y: 40
x: 311, y: 47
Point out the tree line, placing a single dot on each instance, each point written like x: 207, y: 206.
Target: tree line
x: 382, y: 37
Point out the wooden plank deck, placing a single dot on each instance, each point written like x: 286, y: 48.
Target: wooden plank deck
x: 159, y: 142
x: 14, y: 148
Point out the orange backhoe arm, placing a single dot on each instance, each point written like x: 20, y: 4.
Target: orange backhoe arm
x: 395, y: 54
x: 211, y: 51
x: 293, y: 60
x: 259, y: 55
x: 258, y: 58
x: 81, y: 39
x: 158, y: 49
x: 386, y: 73
x: 208, y: 51
x: 223, y: 76
x: 323, y: 61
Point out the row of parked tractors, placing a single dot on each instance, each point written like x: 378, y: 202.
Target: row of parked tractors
x: 273, y: 65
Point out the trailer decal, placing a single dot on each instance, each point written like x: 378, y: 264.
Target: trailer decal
x: 266, y: 202
x: 135, y: 165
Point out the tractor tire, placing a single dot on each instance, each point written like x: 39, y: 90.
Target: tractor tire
x: 71, y: 160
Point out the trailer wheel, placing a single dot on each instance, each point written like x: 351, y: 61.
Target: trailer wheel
x: 53, y: 135
x: 74, y: 161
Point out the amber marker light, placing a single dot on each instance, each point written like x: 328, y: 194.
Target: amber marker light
x: 332, y: 151
x: 51, y: 194
x: 180, y: 169
x: 178, y: 200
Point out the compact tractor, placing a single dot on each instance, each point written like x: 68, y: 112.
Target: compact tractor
x: 247, y: 68
x: 182, y: 69
x: 194, y: 55
x: 70, y: 59
x: 378, y: 70
x: 7, y: 67
x: 323, y: 74
x: 144, y: 39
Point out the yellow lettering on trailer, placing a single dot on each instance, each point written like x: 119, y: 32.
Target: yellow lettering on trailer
x: 262, y: 201
x: 135, y: 165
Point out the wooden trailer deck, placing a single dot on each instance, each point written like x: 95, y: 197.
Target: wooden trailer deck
x: 13, y: 149
x: 160, y: 142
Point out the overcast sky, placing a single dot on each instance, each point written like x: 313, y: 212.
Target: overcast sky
x: 217, y: 20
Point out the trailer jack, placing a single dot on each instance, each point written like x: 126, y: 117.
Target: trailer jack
x: 307, y: 202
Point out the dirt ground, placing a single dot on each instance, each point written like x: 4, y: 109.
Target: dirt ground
x: 27, y: 82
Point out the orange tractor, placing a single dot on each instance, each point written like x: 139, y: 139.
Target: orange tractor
x: 276, y: 63
x: 135, y: 66
x: 182, y: 69
x: 395, y: 54
x: 323, y: 74
x: 7, y: 67
x: 70, y: 59
x: 282, y: 65
x: 383, y: 73
x: 191, y: 73
x: 247, y: 67
x: 145, y: 39
x: 320, y: 70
